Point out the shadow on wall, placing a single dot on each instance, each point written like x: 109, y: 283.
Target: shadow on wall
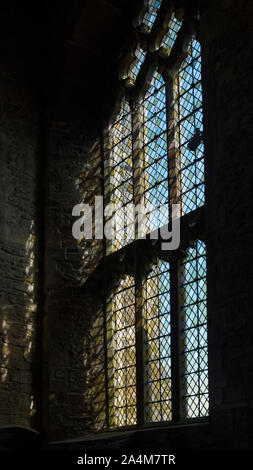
x: 94, y: 357
x: 89, y: 185
x: 76, y: 360
x: 17, y: 336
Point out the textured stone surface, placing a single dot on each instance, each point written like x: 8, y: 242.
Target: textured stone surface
x: 68, y: 306
x: 18, y: 254
x: 226, y: 32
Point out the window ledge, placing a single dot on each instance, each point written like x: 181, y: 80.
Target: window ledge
x: 111, y: 436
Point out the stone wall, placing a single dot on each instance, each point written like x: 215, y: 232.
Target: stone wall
x: 18, y: 252
x: 74, y: 176
x: 226, y: 36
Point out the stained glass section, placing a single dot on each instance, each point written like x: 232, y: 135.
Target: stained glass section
x: 121, y: 354
x: 193, y: 318
x: 156, y: 313
x: 189, y: 130
x: 155, y: 156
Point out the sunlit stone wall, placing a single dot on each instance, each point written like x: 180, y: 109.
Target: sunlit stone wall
x: 18, y: 254
x: 71, y: 309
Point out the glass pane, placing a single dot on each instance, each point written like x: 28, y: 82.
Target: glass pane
x: 189, y: 130
x: 119, y: 180
x: 135, y: 66
x: 121, y: 353
x: 171, y: 36
x: 193, y: 316
x: 150, y: 15
x: 155, y: 165
x: 156, y: 312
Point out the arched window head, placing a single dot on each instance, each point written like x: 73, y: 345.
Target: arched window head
x: 150, y: 15
x: 171, y: 36
x: 155, y: 324
x: 135, y: 66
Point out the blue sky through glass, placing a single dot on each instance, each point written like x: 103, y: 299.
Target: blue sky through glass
x: 150, y: 15
x: 193, y: 305
x: 190, y: 122
x: 135, y: 67
x: 171, y: 36
x: 156, y: 191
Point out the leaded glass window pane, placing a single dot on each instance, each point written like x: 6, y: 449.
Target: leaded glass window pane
x: 156, y: 143
x: 121, y: 353
x: 156, y: 313
x: 171, y: 36
x: 155, y: 164
x: 193, y: 318
x: 189, y: 130
x: 135, y: 67
x: 120, y: 179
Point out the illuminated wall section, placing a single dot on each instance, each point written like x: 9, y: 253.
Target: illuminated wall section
x: 121, y: 355
x: 156, y: 312
x: 96, y: 376
x: 193, y: 319
x: 189, y: 130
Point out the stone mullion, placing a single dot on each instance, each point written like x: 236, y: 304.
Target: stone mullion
x: 172, y: 142
x: 106, y: 195
x: 107, y: 186
x: 109, y: 315
x: 177, y: 346
x: 174, y: 198
x: 138, y: 159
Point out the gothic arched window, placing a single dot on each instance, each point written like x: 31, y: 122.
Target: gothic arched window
x: 155, y: 315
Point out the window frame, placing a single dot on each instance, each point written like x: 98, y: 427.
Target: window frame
x: 192, y: 228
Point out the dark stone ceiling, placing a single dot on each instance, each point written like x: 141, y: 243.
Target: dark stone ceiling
x: 68, y: 51
x: 83, y: 74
